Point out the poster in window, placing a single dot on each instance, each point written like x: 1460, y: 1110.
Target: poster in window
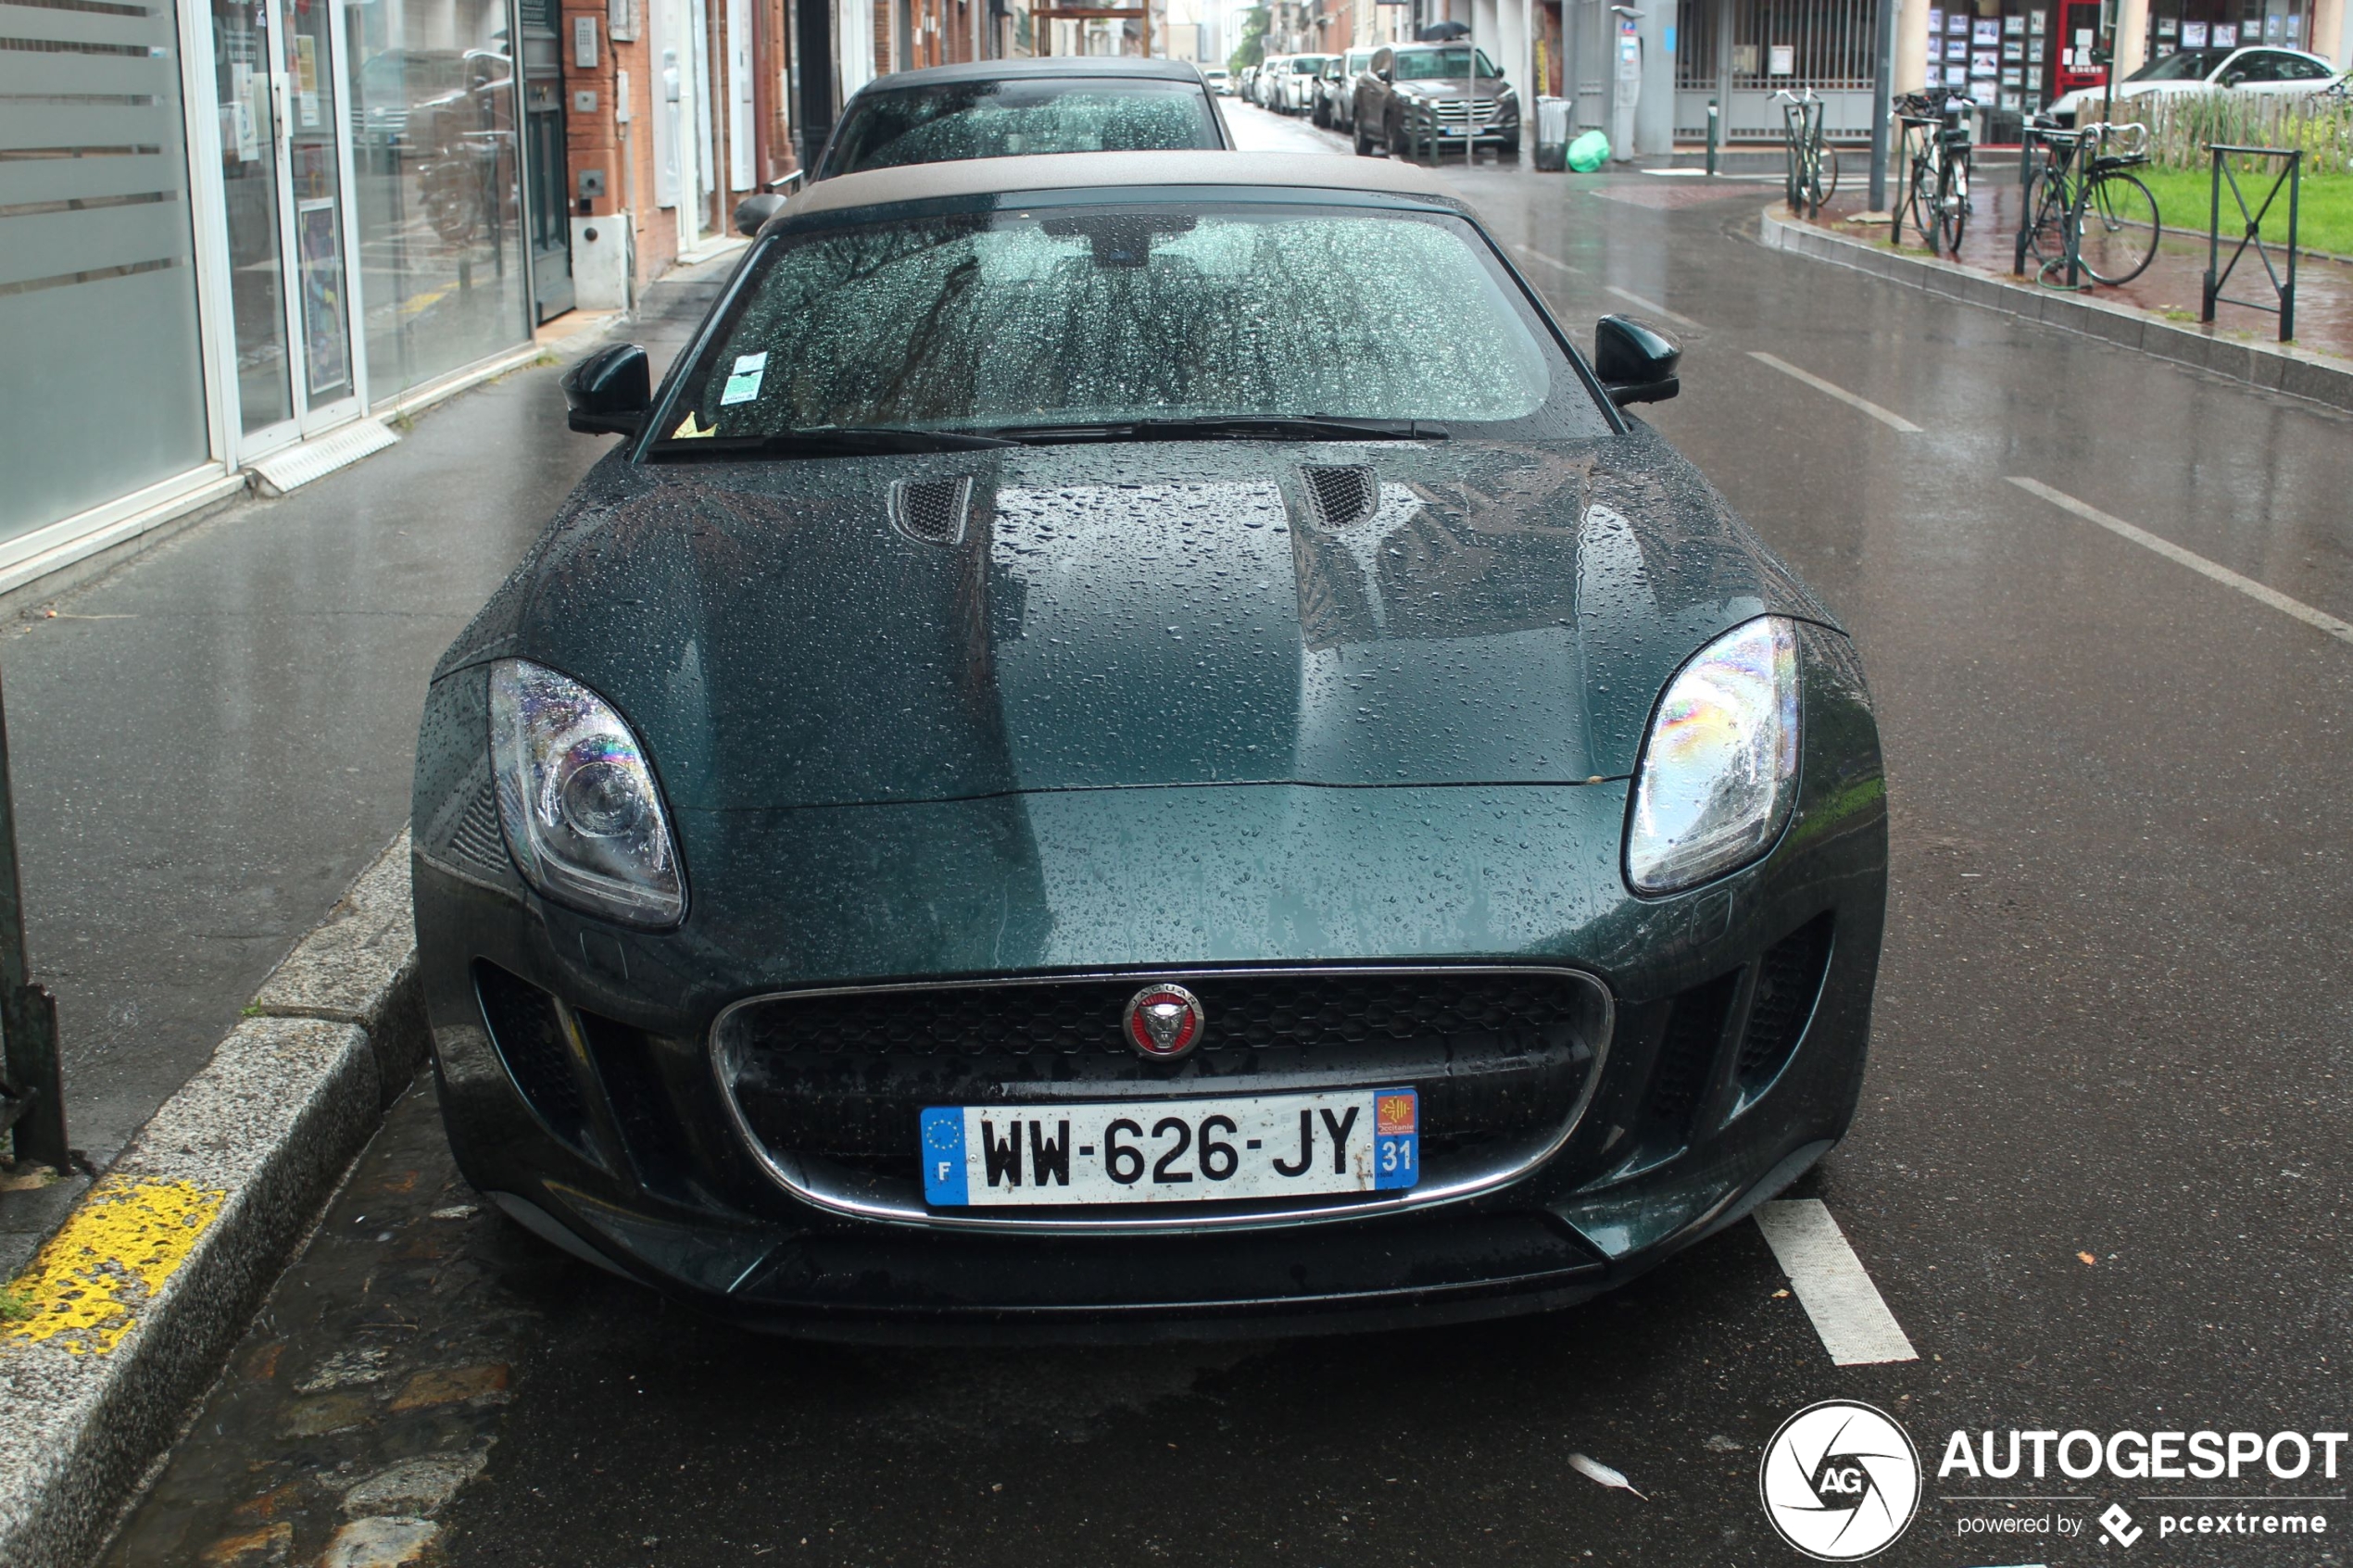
x: 1956, y: 49
x: 2012, y: 50
x: 1984, y: 63
x: 1956, y: 76
x: 2226, y: 35
x: 2167, y: 26
x: 2292, y: 20
x: 2010, y: 101
x: 1936, y: 23
x: 2014, y: 25
x: 1958, y: 21
x: 1781, y: 60
x: 2271, y: 25
x: 2193, y: 35
x: 1989, y: 30
x: 2034, y: 52
x: 2035, y: 22
x: 319, y: 252
x: 2012, y: 77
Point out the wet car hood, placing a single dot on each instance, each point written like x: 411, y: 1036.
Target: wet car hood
x: 1137, y: 615
x: 1447, y: 87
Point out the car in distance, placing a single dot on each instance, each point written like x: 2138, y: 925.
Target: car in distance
x: 1010, y: 109
x: 1405, y: 81
x: 2265, y: 69
x: 1336, y: 89
x: 994, y: 810
x: 1298, y: 83
x: 1220, y: 80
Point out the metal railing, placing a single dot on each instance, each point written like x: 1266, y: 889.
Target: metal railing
x: 2290, y: 176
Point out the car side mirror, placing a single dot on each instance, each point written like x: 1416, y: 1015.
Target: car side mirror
x: 2232, y: 78
x: 752, y: 211
x: 609, y: 392
x: 1636, y: 362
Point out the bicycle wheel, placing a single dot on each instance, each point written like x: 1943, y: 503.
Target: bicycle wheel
x: 1830, y: 172
x: 1921, y: 202
x: 2119, y: 229
x: 1952, y: 209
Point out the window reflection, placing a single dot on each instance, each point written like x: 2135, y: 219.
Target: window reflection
x: 442, y: 263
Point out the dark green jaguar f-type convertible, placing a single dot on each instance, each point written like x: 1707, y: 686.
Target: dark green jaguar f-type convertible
x: 1136, y: 743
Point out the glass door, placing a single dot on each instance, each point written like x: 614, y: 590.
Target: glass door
x: 317, y: 280
x: 282, y: 165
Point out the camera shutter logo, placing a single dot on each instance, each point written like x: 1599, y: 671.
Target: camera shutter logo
x: 1840, y: 1481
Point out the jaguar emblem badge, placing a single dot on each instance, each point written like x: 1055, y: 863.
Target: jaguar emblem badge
x: 1165, y: 1021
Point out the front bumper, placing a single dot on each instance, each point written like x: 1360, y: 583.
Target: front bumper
x: 582, y: 1090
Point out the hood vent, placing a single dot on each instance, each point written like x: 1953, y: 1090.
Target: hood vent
x: 931, y: 511
x: 1341, y: 497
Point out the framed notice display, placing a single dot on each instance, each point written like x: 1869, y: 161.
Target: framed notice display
x: 2193, y: 35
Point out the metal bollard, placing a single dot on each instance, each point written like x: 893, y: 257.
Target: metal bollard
x: 1714, y: 116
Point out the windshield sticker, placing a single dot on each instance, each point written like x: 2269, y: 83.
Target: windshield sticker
x: 688, y: 431
x: 743, y: 383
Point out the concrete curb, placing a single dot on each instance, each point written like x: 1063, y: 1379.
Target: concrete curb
x: 140, y: 1294
x: 2299, y: 373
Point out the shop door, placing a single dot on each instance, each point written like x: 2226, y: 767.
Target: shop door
x: 283, y: 158
x: 2079, y: 30
x: 542, y: 183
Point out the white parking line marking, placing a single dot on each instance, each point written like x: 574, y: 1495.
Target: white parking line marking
x: 1534, y: 255
x: 1894, y: 422
x: 1856, y: 1326
x: 2321, y: 618
x: 1654, y: 307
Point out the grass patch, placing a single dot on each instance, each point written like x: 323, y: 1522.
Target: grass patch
x: 2324, y: 215
x: 13, y: 1307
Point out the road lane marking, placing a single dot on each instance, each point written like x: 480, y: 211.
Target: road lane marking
x: 2321, y: 618
x: 1855, y: 1325
x: 1893, y: 421
x: 1534, y: 255
x: 1654, y: 307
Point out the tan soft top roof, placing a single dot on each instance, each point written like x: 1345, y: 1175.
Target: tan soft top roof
x: 1068, y: 171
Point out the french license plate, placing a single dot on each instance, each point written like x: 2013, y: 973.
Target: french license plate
x: 1171, y: 1152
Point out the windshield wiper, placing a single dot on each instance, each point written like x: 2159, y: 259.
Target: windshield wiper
x: 826, y: 442
x: 1229, y: 427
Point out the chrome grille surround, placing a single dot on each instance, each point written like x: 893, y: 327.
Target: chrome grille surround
x: 853, y: 1196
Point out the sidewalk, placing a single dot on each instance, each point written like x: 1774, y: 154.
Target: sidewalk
x: 2171, y: 287
x: 212, y: 740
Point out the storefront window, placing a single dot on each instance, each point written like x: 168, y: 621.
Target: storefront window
x: 442, y: 262
x: 104, y: 393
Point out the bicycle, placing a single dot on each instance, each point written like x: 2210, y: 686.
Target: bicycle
x: 1937, y: 133
x: 1813, y: 165
x: 2083, y: 211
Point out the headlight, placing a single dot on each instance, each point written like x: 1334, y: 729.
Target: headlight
x: 1719, y: 768
x: 577, y: 801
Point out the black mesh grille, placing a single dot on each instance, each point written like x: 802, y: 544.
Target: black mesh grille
x: 1497, y: 1056
x: 1342, y: 496
x: 530, y: 1039
x: 1243, y: 1012
x: 1788, y: 979
x: 1694, y: 1030
x: 476, y: 842
x: 931, y: 510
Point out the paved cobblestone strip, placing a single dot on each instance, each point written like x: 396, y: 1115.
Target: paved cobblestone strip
x: 124, y: 1316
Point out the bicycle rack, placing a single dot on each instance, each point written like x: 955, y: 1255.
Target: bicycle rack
x: 1801, y: 128
x: 2292, y: 176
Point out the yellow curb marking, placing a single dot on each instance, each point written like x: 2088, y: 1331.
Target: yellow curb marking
x: 82, y: 1290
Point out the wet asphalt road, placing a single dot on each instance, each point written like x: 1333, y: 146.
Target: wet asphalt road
x: 2099, y: 1177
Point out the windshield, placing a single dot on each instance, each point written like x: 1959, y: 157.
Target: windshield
x: 969, y: 120
x: 2189, y: 65
x: 1097, y: 314
x: 1308, y: 64
x: 1415, y: 65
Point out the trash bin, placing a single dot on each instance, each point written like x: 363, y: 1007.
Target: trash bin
x: 1552, y: 135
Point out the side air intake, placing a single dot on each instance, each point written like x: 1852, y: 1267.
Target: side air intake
x: 931, y: 511
x: 1342, y: 496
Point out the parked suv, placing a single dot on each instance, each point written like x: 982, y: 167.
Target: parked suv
x: 1459, y: 84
